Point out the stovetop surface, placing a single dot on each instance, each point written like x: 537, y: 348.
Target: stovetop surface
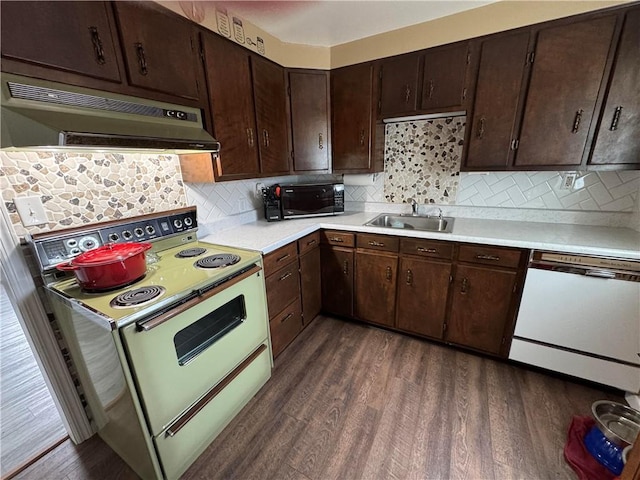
x: 178, y: 276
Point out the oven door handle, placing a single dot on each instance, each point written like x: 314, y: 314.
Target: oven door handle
x: 168, y: 314
x: 182, y: 420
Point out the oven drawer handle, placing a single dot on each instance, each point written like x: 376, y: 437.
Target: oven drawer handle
x: 146, y: 325
x: 180, y: 423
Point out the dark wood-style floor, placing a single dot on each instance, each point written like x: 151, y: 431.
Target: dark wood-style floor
x: 349, y: 401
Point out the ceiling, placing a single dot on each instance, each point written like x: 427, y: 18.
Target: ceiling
x: 329, y: 23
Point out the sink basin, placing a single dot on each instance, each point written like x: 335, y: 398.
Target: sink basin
x: 408, y: 222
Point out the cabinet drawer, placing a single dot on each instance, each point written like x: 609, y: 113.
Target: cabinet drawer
x: 377, y: 242
x: 500, y: 257
x: 285, y: 327
x: 426, y: 248
x: 279, y: 258
x: 283, y: 287
x: 341, y: 239
x: 309, y: 242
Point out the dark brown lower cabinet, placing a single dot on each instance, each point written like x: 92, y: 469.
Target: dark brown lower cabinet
x: 285, y: 326
x: 310, y: 285
x: 337, y: 280
x: 422, y: 296
x: 480, y: 307
x: 375, y: 286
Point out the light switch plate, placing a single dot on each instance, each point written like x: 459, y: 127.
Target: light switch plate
x: 31, y: 211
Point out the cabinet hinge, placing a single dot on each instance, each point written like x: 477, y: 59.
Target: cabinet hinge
x: 450, y: 278
x: 530, y: 57
x: 292, y: 156
x: 380, y: 74
x: 444, y: 328
x: 514, y: 144
x: 515, y: 287
x: 464, y: 93
x: 468, y: 57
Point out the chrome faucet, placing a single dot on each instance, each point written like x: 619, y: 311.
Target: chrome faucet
x: 414, y: 206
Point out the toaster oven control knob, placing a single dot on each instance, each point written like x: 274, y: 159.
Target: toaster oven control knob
x: 88, y: 243
x: 177, y: 223
x: 114, y: 237
x: 188, y: 222
x: 150, y: 230
x: 126, y: 235
x: 139, y: 232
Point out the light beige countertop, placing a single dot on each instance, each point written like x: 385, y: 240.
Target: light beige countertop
x: 580, y: 239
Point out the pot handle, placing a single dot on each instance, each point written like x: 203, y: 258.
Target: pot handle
x: 66, y: 266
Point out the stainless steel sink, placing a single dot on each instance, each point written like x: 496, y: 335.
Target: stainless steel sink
x: 409, y: 222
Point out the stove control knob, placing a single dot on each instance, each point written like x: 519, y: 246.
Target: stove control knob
x: 74, y: 251
x: 114, y: 237
x: 126, y: 235
x: 88, y: 243
x: 150, y: 230
x: 188, y: 221
x: 177, y: 223
x: 139, y: 232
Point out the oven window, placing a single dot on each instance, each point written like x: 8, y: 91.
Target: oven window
x: 197, y: 337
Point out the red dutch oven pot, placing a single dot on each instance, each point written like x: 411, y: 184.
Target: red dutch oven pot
x: 109, y: 266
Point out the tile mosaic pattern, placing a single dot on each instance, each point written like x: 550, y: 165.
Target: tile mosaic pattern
x: 422, y: 160
x: 83, y: 188
x: 592, y: 191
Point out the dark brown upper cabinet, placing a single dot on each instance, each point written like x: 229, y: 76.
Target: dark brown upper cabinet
x: 618, y: 136
x: 353, y: 125
x: 161, y: 50
x: 232, y: 108
x: 269, y: 95
x: 399, y: 84
x: 568, y: 67
x: 69, y: 42
x: 310, y: 113
x: 498, y: 93
x: 444, y: 84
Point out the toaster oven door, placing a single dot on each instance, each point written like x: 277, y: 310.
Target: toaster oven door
x: 307, y: 200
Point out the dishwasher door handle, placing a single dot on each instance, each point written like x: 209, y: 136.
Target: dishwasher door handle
x: 606, y: 274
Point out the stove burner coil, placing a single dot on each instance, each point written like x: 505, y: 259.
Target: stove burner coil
x: 217, y: 261
x: 190, y: 252
x: 137, y: 297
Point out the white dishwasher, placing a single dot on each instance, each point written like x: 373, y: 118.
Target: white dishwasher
x: 580, y: 316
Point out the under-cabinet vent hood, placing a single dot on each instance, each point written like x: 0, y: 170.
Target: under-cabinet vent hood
x: 45, y: 115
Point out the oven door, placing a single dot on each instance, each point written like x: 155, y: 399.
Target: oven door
x: 177, y: 358
x: 307, y: 200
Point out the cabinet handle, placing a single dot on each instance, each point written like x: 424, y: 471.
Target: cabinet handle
x: 285, y: 276
x: 345, y: 267
x: 616, y: 118
x: 97, y: 45
x: 265, y: 136
x: 287, y: 317
x: 320, y: 141
x: 576, y: 121
x: 488, y: 257
x: 465, y: 286
x: 283, y: 257
x: 250, y: 137
x: 142, y: 59
x: 311, y: 242
x: 376, y: 244
x: 409, y: 277
x: 480, y: 128
x: 388, y: 273
x: 336, y: 239
x: 362, y: 137
x: 407, y: 93
x: 430, y: 89
x: 426, y: 250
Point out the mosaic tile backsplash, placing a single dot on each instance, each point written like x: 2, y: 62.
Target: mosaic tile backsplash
x: 82, y: 188
x: 422, y: 160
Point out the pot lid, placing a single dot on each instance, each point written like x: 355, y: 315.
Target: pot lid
x: 110, y: 253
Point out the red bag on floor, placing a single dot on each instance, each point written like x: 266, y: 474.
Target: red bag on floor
x: 577, y: 455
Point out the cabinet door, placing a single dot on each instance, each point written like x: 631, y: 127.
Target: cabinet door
x: 399, y: 86
x: 498, y: 90
x: 231, y: 103
x: 375, y: 287
x: 445, y: 74
x: 566, y: 75
x: 75, y: 37
x: 337, y: 280
x: 310, y: 285
x: 617, y: 141
x: 161, y: 50
x: 480, y: 307
x: 422, y: 296
x: 310, y: 121
x: 351, y: 105
x: 271, y: 116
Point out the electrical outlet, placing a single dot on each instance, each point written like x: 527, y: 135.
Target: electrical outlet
x: 259, y: 187
x: 568, y: 180
x: 31, y: 211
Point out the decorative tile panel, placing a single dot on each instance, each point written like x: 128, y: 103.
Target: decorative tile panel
x: 422, y: 160
x: 83, y: 188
